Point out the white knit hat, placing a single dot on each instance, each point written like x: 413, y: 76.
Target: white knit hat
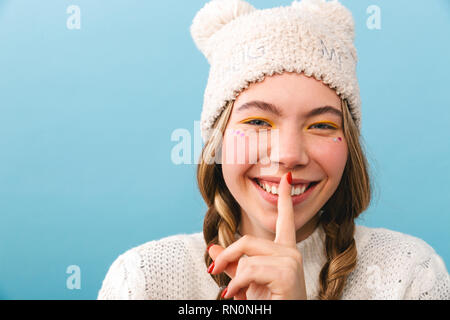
x: 243, y: 45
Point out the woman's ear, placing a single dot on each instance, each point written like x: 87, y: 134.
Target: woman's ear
x: 340, y: 17
x: 212, y: 17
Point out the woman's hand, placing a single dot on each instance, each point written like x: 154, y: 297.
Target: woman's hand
x: 271, y: 270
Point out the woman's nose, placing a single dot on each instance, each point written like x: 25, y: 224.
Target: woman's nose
x: 288, y: 149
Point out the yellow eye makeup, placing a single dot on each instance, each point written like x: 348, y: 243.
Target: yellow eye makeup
x: 254, y: 120
x: 331, y: 125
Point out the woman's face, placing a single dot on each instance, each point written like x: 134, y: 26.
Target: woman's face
x: 280, y: 133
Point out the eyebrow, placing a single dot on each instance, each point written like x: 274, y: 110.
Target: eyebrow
x: 269, y: 107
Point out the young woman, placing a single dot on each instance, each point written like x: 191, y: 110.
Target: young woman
x: 282, y: 172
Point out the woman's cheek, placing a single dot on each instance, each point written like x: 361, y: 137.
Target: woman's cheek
x: 331, y: 153
x: 236, y: 156
x: 240, y: 147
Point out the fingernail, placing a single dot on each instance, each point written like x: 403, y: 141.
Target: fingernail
x: 210, y: 245
x: 289, y: 177
x: 211, y: 267
x: 224, y: 292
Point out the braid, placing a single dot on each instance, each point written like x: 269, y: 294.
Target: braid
x: 223, y: 214
x: 227, y: 222
x: 341, y: 254
x: 350, y: 199
x: 220, y: 225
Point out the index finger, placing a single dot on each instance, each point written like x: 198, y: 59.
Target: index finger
x: 285, y: 227
x: 214, y: 251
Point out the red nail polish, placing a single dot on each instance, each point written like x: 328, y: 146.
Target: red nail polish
x: 211, y: 267
x: 224, y: 292
x: 289, y: 177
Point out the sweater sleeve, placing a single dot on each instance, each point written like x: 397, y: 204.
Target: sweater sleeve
x: 124, y: 279
x: 161, y: 269
x: 430, y: 280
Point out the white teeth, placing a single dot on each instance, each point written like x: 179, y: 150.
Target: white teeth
x: 274, y: 190
x: 271, y: 189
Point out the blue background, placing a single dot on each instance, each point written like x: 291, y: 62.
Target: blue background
x: 86, y: 118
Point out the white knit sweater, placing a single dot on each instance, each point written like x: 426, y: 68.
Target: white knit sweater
x: 390, y: 265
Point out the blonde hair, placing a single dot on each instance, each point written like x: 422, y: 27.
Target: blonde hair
x: 351, y: 198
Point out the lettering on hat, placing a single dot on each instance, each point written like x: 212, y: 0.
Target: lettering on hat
x: 331, y: 54
x: 248, y: 53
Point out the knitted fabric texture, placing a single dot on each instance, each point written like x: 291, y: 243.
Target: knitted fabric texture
x: 390, y: 265
x: 243, y: 45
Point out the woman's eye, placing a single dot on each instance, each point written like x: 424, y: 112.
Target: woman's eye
x: 258, y: 122
x: 323, y: 126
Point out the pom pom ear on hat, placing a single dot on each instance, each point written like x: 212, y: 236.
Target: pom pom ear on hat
x: 332, y: 11
x: 212, y: 17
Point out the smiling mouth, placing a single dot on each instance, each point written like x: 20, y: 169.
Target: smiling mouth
x: 272, y: 187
